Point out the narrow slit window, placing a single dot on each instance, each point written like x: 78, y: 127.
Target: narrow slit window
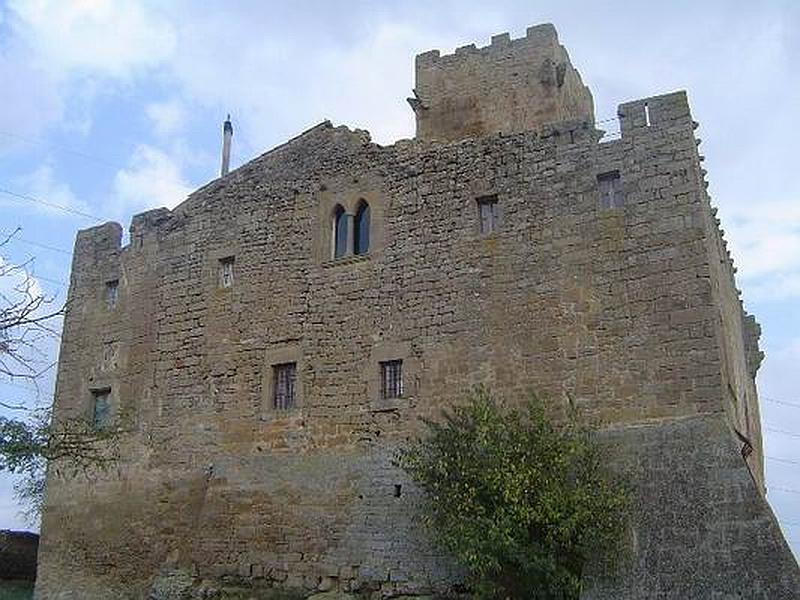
x: 339, y: 232
x: 226, y: 272
x: 392, y: 379
x: 101, y: 408
x: 361, y: 229
x: 488, y: 214
x: 610, y: 190
x: 285, y: 377
x: 112, y: 293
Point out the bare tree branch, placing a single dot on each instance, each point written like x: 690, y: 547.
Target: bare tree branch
x: 26, y: 321
x: 29, y: 319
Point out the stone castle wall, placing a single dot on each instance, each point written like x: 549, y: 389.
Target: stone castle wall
x: 626, y: 311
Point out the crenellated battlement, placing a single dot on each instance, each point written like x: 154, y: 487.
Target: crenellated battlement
x: 145, y: 226
x: 105, y: 238
x: 510, y: 86
x: 501, y: 43
x: 636, y: 115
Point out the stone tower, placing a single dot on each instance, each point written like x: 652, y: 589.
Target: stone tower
x: 276, y: 338
x: 507, y: 87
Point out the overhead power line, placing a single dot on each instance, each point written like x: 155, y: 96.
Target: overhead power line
x: 116, y: 166
x: 14, y: 238
x: 61, y: 207
x: 783, y: 402
x: 62, y: 148
x: 783, y: 489
x: 50, y: 280
x: 789, y: 523
x: 783, y: 431
x: 783, y: 460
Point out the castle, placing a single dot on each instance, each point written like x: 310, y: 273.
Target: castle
x: 277, y: 336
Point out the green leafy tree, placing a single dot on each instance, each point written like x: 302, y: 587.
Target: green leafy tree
x: 30, y: 442
x: 521, y: 501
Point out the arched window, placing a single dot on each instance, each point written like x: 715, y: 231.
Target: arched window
x: 339, y: 232
x: 361, y: 229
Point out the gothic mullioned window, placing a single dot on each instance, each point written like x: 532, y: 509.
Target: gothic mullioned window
x: 361, y: 229
x: 339, y: 232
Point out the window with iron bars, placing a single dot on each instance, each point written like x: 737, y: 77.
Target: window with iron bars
x: 284, y: 377
x: 392, y: 379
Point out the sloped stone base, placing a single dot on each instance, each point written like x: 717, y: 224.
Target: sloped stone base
x: 701, y: 527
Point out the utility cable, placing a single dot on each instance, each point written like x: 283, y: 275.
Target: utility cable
x: 61, y: 207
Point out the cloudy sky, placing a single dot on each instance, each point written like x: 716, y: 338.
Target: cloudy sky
x: 113, y: 107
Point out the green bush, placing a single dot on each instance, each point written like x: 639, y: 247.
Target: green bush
x: 521, y: 501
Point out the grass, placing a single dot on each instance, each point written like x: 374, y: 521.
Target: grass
x: 16, y: 590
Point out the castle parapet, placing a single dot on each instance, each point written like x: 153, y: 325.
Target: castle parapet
x: 99, y: 240
x: 510, y: 86
x: 664, y: 109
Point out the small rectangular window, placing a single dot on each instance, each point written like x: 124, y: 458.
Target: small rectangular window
x: 392, y: 379
x: 226, y: 272
x: 101, y: 408
x: 109, y: 361
x: 284, y: 377
x: 610, y: 190
x: 112, y: 293
x: 487, y: 214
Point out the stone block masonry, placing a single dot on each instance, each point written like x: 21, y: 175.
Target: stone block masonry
x: 506, y: 87
x: 625, y: 305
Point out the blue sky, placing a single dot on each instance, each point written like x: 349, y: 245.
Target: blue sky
x: 110, y: 108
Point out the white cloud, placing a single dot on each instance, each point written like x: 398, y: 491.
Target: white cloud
x: 765, y: 243
x: 275, y: 86
x: 42, y: 184
x: 96, y: 36
x: 32, y: 100
x: 57, y: 49
x: 367, y: 84
x: 167, y: 117
x: 153, y: 180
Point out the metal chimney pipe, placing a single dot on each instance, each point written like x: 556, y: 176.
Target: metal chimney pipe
x: 227, y: 136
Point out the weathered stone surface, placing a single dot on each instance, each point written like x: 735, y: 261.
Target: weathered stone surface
x: 697, y: 520
x: 174, y: 584
x: 629, y: 312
